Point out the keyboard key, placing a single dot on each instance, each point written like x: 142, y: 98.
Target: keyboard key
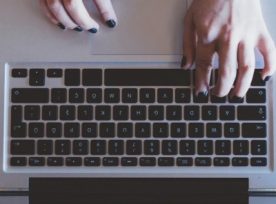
x: 125, y: 130
x: 120, y: 113
x: 182, y: 95
x: 259, y: 161
x: 45, y: 147
x: 203, y: 161
x: 22, y: 147
x: 16, y: 115
x: 53, y: 130
x: 241, y: 147
x: 187, y: 147
x: 178, y: 130
x: 98, y: 147
x: 156, y: 113
x: 67, y: 113
x: 209, y: 113
x: 214, y: 130
x: 94, y: 95
x: 258, y: 147
x: 73, y: 161
x: 232, y: 130
x: 54, y: 73
x: 76, y: 95
x: 49, y: 113
x: 37, y: 161
x: 37, y: 77
x: 165, y: 161
x: 160, y: 130
x: 138, y: 113
x: 62, y: 147
x: 227, y: 113
x: 110, y: 161
x: 151, y: 147
x: 116, y: 147
x: 129, y: 95
x: 26, y: 95
x: 134, y: 147
x: 59, y: 95
x: 18, y: 161
x: 196, y: 130
x: 254, y: 130
x: 215, y: 99
x: 72, y: 77
x: 221, y: 161
x: 71, y: 130
x: 257, y: 79
x: 165, y: 96
x: 201, y: 98
x: 191, y: 113
x: 19, y: 73
x: 18, y: 130
x: 147, y: 95
x: 107, y: 130
x: 240, y: 161
x: 147, y: 161
x: 36, y: 130
x: 249, y: 113
x: 223, y: 147
x: 256, y: 96
x: 174, y: 113
x: 92, y: 161
x: 92, y: 77
x: 205, y: 147
x: 169, y: 147
x: 112, y: 95
x: 85, y: 112
x: 142, y: 130
x: 184, y: 161
x: 129, y: 161
x: 55, y: 161
x: 89, y: 130
x: 32, y: 112
x: 103, y: 113
x: 236, y: 100
x: 80, y: 147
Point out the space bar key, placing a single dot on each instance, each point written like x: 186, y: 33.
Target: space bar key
x: 30, y: 95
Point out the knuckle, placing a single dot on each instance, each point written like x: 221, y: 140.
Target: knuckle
x: 53, y: 4
x: 71, y: 4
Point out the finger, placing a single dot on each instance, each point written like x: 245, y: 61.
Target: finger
x: 80, y: 15
x: 106, y: 9
x: 48, y: 13
x: 267, y: 48
x: 246, y: 64
x: 189, y: 42
x: 204, y: 58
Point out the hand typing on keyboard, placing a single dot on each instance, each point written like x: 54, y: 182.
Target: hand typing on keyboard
x: 233, y: 29
x: 72, y: 14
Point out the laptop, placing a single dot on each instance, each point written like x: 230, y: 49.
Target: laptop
x: 117, y: 105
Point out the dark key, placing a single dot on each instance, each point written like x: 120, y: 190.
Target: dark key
x: 184, y: 161
x: 80, y: 147
x: 209, y: 113
x: 18, y: 161
x: 73, y: 161
x: 72, y: 77
x: 92, y: 161
x: 165, y: 96
x: 19, y: 73
x: 125, y: 130
x: 215, y: 99
x: 112, y: 95
x: 32, y: 112
x: 203, y: 161
x: 156, y: 112
x: 251, y: 113
x: 116, y: 147
x: 76, y: 95
x: 191, y: 112
x: 256, y: 96
x: 178, y: 130
x: 16, y: 115
x: 147, y: 77
x: 254, y: 130
x: 18, y: 130
x: 231, y: 130
x: 134, y: 147
x: 221, y: 161
x: 30, y: 95
x: 183, y: 95
x: 71, y: 130
x: 22, y: 147
x: 258, y: 147
x: 62, y: 147
x: 257, y: 79
x: 259, y: 161
x: 37, y: 77
x: 187, y: 147
x: 37, y: 161
x: 138, y: 113
x: 169, y: 147
x: 59, y: 95
x: 36, y: 130
x: 53, y: 130
x: 214, y: 130
x: 129, y: 95
x: 67, y: 112
x: 94, y: 95
x: 165, y: 161
x: 240, y: 161
x: 160, y: 130
x: 55, y: 161
x: 196, y: 130
x: 54, y: 73
x: 89, y: 130
x: 236, y: 100
x: 129, y: 161
x: 92, y: 77
x: 241, y: 147
x: 142, y: 130
x: 205, y: 147
x: 49, y: 112
x: 45, y: 147
x: 110, y: 161
x: 201, y: 98
x: 98, y: 147
x: 85, y: 112
x: 147, y: 95
x: 151, y: 147
x: 107, y: 130
x: 103, y: 113
x: 174, y: 113
x: 223, y: 147
x: 120, y: 113
x: 227, y: 112
x: 147, y: 161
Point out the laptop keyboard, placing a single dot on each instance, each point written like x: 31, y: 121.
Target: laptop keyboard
x: 132, y: 118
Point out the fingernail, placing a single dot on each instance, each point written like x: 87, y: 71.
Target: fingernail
x: 267, y: 78
x: 93, y: 30
x: 111, y: 23
x: 183, y: 61
x: 203, y: 94
x: 61, y: 26
x: 78, y: 29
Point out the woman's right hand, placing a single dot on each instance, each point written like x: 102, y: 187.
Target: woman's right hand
x: 72, y: 14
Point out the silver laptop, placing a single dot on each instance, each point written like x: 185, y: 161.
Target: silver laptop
x: 116, y: 104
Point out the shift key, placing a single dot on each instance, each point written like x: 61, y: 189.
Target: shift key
x: 30, y: 95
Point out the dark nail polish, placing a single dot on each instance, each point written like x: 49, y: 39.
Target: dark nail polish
x: 61, y: 26
x: 111, y: 23
x: 183, y: 61
x: 267, y: 78
x: 203, y: 94
x: 78, y: 29
x: 93, y: 30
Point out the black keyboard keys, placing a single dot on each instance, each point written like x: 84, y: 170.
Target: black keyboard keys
x: 19, y: 73
x: 249, y: 113
x: 165, y: 96
x: 76, y: 95
x: 54, y: 73
x: 258, y: 147
x: 129, y: 95
x: 94, y: 95
x: 120, y: 113
x: 92, y: 77
x: 116, y: 147
x: 59, y: 95
x: 256, y: 96
x: 72, y: 77
x: 37, y: 77
x: 151, y: 147
x: 22, y: 147
x: 241, y: 147
x: 103, y: 113
x: 67, y: 112
x: 156, y: 113
x: 32, y: 112
x: 147, y: 95
x: 30, y: 95
x: 112, y: 95
x: 191, y: 113
x: 254, y: 130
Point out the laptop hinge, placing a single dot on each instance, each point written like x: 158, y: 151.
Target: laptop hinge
x: 138, y: 191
